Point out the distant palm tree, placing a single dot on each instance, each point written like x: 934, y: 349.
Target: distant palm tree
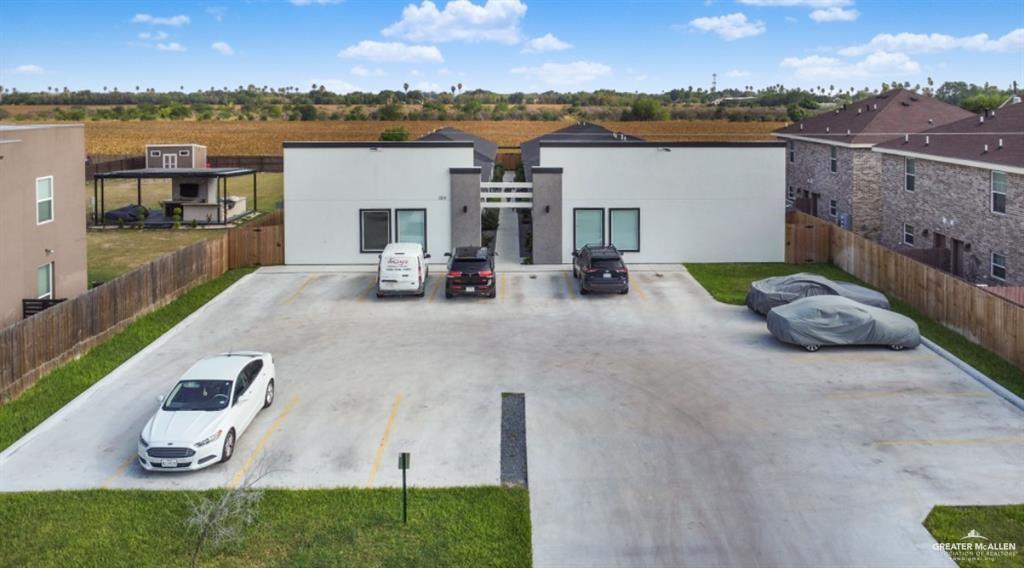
x: 453, y: 90
x: 405, y: 87
x: 460, y: 88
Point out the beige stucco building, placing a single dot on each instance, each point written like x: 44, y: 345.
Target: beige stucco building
x: 42, y: 215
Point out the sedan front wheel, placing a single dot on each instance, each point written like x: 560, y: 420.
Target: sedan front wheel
x: 229, y: 446
x: 268, y: 398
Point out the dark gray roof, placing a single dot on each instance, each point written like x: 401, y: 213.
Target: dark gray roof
x: 1001, y: 131
x: 171, y: 173
x: 579, y: 132
x: 484, y: 151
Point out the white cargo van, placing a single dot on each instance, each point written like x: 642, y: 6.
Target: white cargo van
x: 402, y: 270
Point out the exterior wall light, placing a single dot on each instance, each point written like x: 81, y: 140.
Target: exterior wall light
x: 547, y: 209
x: 465, y: 208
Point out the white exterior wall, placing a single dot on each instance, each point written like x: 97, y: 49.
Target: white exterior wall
x: 325, y: 187
x: 697, y: 204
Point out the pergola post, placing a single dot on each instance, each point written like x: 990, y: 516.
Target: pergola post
x: 95, y: 202
x: 220, y: 203
x: 254, y: 208
x: 103, y: 201
x: 138, y: 190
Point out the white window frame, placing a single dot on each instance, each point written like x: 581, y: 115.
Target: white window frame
x: 791, y: 193
x: 49, y: 274
x: 833, y: 159
x: 833, y: 208
x: 53, y: 210
x: 154, y: 153
x: 183, y: 153
x: 908, y: 231
x: 908, y: 175
x: 993, y: 192
x: 993, y: 264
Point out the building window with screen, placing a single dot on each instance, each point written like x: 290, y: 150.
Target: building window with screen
x: 998, y: 266
x: 44, y: 200
x: 624, y: 229
x: 908, y: 234
x: 833, y: 160
x: 44, y: 281
x: 911, y: 169
x: 999, y: 192
x: 411, y: 226
x: 374, y: 229
x: 587, y: 227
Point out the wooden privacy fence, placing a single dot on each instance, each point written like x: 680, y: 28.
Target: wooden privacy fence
x: 988, y: 319
x: 33, y: 346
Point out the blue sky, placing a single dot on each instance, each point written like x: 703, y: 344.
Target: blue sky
x: 507, y: 45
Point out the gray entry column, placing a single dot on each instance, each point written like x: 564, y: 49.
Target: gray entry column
x: 547, y: 215
x: 465, y: 206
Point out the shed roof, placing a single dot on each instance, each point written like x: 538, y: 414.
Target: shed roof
x: 876, y: 119
x: 172, y: 173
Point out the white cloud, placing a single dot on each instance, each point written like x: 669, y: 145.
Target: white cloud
x: 179, y: 20
x: 546, y: 42
x: 217, y: 12
x: 316, y: 2
x: 222, y: 48
x: 808, y: 3
x: 737, y: 73
x: 429, y: 87
x: 29, y: 69
x: 565, y: 74
x: 444, y: 72
x: 877, y: 64
x: 934, y: 43
x: 173, y: 46
x: 395, y: 52
x: 335, y: 85
x: 360, y: 71
x: 834, y: 14
x: 460, y: 20
x: 791, y: 19
x: 155, y: 36
x: 729, y: 27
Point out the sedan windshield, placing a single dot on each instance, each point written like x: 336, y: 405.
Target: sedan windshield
x: 199, y: 395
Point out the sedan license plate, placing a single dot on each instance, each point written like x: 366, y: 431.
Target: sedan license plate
x: 169, y: 463
x: 606, y: 275
x: 470, y: 288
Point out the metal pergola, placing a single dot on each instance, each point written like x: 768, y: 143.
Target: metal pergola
x: 221, y: 174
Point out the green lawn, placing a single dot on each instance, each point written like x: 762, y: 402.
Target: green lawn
x: 997, y: 523
x: 473, y: 526
x: 729, y: 283
x: 111, y: 252
x: 61, y: 385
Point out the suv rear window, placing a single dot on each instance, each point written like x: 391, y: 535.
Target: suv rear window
x: 469, y: 264
x: 606, y: 263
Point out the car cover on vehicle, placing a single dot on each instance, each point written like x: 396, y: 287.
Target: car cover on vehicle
x: 779, y: 290
x: 834, y: 320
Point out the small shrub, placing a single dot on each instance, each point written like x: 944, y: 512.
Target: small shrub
x: 398, y: 134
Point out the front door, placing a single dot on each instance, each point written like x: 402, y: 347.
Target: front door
x: 939, y: 241
x: 170, y: 160
x: 957, y: 265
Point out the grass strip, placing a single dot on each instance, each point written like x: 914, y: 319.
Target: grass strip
x: 728, y: 283
x: 997, y: 523
x: 60, y: 386
x: 468, y: 526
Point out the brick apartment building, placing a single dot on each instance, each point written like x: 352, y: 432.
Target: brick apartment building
x: 831, y: 171
x: 959, y: 188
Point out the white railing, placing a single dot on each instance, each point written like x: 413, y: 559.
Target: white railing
x: 506, y: 194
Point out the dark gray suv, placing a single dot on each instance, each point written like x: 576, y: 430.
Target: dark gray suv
x: 600, y: 269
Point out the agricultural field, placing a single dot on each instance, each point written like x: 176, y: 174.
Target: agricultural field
x: 244, y: 138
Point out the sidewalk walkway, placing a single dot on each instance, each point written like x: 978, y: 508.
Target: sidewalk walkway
x: 507, y: 240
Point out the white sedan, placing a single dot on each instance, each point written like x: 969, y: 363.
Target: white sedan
x: 201, y: 418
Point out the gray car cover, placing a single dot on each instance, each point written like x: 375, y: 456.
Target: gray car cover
x: 780, y: 290
x: 834, y: 320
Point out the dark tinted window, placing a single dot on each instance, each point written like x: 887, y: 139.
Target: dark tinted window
x: 199, y: 395
x: 607, y: 263
x: 470, y: 264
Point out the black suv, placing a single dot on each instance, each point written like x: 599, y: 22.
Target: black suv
x: 600, y: 269
x: 470, y: 273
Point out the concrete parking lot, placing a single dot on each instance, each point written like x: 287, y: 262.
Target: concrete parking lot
x: 663, y: 428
